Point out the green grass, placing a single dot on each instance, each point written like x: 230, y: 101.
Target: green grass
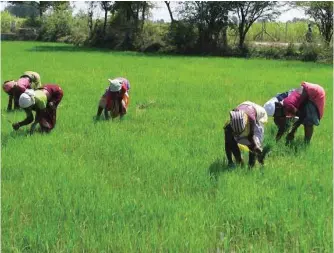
x: 156, y: 182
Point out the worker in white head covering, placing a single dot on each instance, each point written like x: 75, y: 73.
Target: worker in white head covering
x: 274, y: 108
x: 115, y: 100
x: 44, y: 102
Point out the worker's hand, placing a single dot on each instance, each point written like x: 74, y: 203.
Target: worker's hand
x: 16, y: 126
x: 257, y: 150
x: 259, y: 154
x: 260, y: 158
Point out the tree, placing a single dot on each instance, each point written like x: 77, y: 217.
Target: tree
x: 249, y: 12
x: 211, y: 19
x: 61, y: 6
x: 22, y: 10
x: 129, y: 15
x: 106, y: 7
x: 322, y: 13
x: 132, y: 10
x: 41, y: 6
x: 170, y: 11
x: 90, y: 12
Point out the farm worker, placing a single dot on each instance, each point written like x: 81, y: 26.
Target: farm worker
x: 34, y: 78
x: 29, y: 80
x: 115, y: 99
x: 125, y: 82
x: 306, y: 102
x: 270, y: 107
x: 44, y: 102
x: 246, y: 127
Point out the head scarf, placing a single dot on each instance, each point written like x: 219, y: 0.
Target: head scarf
x: 8, y: 85
x: 115, y: 85
x: 27, y: 99
x: 238, y: 120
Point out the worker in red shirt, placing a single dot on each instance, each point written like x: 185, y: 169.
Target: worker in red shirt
x: 115, y: 100
x: 307, y: 103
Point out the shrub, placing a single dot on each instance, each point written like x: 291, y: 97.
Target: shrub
x: 326, y: 55
x: 150, y: 38
x: 309, y: 51
x: 79, y: 31
x: 291, y: 51
x: 7, y: 20
x: 181, y: 37
x: 56, y: 26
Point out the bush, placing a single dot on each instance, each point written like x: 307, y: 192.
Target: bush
x: 27, y: 34
x: 7, y: 21
x: 309, y: 51
x: 268, y: 52
x: 34, y: 22
x: 56, y: 26
x: 326, y: 55
x: 150, y: 38
x: 291, y: 51
x: 80, y: 31
x: 181, y: 38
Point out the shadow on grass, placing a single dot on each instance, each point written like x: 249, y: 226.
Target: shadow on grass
x: 102, y: 119
x: 296, y: 146
x: 71, y: 48
x: 5, y: 137
x: 218, y: 167
x: 66, y: 48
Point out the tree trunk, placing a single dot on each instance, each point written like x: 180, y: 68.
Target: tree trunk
x: 224, y: 36
x: 40, y: 11
x: 170, y: 11
x: 90, y: 17
x: 241, y: 41
x: 143, y: 15
x: 241, y: 34
x: 328, y: 32
x: 105, y: 22
x: 90, y: 26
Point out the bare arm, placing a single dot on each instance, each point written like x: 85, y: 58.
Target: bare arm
x: 251, y: 138
x: 280, y: 122
x: 10, y: 102
x: 26, y: 121
x: 291, y: 134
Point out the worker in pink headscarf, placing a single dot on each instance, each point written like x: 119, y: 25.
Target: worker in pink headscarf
x: 29, y: 80
x: 307, y: 103
x: 44, y: 102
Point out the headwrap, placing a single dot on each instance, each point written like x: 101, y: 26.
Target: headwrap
x: 238, y: 120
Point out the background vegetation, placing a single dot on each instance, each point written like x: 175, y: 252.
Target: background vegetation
x: 202, y: 28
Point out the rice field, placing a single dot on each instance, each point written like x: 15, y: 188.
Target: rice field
x: 157, y: 181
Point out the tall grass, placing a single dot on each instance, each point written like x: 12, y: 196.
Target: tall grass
x: 283, y: 32
x: 157, y: 181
